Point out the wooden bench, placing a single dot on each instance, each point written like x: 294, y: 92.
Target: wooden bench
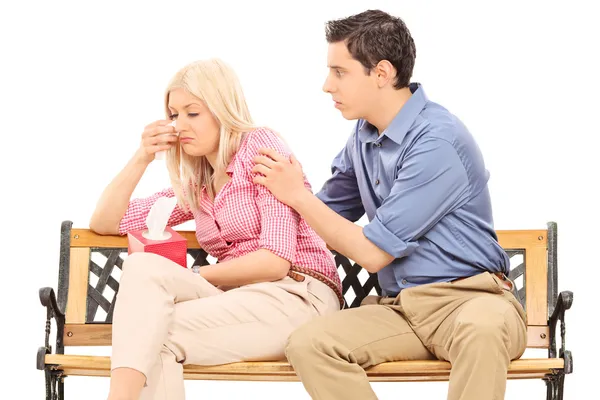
x: 88, y: 282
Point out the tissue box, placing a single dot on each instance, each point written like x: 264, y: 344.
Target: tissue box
x: 174, y: 248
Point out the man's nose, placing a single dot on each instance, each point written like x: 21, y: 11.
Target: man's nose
x: 327, y: 87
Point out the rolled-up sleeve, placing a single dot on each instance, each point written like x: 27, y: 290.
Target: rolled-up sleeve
x: 430, y: 183
x: 138, y: 210
x: 279, y: 222
x: 340, y: 192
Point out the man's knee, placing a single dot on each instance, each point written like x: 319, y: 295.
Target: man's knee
x: 484, y: 329
x: 485, y: 326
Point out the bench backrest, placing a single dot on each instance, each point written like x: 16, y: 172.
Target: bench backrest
x: 90, y: 268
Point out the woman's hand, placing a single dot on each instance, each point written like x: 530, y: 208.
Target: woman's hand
x: 153, y: 140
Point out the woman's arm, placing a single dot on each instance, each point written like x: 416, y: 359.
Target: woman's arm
x: 114, y: 201
x: 258, y: 266
x: 278, y: 236
x: 138, y: 210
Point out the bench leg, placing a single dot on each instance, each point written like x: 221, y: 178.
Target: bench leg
x: 561, y: 386
x: 61, y: 388
x: 555, y: 385
x: 54, y: 385
x: 48, y: 377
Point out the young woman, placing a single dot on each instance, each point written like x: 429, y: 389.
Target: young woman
x: 274, y: 272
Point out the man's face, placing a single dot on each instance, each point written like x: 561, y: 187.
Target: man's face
x: 352, y: 90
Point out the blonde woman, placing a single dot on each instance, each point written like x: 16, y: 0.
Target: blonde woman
x: 274, y: 272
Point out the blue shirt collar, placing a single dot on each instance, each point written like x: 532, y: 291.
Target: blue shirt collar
x: 401, y: 123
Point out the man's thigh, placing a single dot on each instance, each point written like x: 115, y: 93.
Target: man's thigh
x: 367, y: 335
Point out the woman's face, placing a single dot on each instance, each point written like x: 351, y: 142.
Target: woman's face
x: 198, y: 128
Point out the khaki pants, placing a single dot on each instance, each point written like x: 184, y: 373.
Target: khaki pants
x: 166, y: 316
x: 473, y: 323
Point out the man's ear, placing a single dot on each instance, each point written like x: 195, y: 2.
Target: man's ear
x: 385, y: 73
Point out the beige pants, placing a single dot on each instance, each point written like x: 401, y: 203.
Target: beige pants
x: 474, y: 323
x: 166, y: 316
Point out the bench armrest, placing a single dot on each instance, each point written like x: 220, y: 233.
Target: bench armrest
x: 48, y: 300
x: 563, y: 303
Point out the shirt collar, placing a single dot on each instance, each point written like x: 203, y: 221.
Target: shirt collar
x: 402, y: 122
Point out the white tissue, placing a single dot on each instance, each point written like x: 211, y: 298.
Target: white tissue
x: 158, y: 217
x: 161, y: 155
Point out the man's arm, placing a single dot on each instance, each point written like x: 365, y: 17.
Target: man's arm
x: 342, y: 235
x: 340, y: 192
x: 431, y: 183
x: 337, y: 205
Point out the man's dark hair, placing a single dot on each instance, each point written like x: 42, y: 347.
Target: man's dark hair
x: 374, y: 35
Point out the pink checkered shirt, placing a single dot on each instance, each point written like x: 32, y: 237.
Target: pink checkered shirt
x: 246, y: 217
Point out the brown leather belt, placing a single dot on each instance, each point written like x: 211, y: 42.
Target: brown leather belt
x: 297, y: 273
x: 296, y: 276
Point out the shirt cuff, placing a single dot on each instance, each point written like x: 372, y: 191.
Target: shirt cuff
x: 387, y: 241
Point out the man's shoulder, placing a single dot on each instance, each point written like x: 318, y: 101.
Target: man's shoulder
x: 439, y: 124
x: 436, y: 122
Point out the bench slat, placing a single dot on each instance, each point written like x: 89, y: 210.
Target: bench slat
x: 88, y: 238
x: 282, y: 371
x: 78, y: 285
x: 536, y: 281
x: 101, y: 335
x: 294, y: 378
x: 538, y: 337
x: 521, y: 239
x: 508, y: 239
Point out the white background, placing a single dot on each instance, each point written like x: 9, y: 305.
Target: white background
x: 80, y: 80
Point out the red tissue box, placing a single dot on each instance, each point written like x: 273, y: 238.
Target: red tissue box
x: 174, y: 248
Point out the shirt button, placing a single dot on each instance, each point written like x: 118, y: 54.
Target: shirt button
x: 378, y: 144
x: 377, y: 182
x: 404, y: 282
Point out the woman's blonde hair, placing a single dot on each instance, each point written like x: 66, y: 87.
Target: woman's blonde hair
x: 216, y: 84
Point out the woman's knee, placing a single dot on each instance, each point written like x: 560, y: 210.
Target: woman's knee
x: 141, y: 265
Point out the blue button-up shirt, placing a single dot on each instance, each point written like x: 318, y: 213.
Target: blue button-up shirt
x: 423, y: 186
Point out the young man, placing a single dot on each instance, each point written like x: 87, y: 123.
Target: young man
x: 417, y: 172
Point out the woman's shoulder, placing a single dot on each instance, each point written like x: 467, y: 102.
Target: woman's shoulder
x: 263, y: 137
